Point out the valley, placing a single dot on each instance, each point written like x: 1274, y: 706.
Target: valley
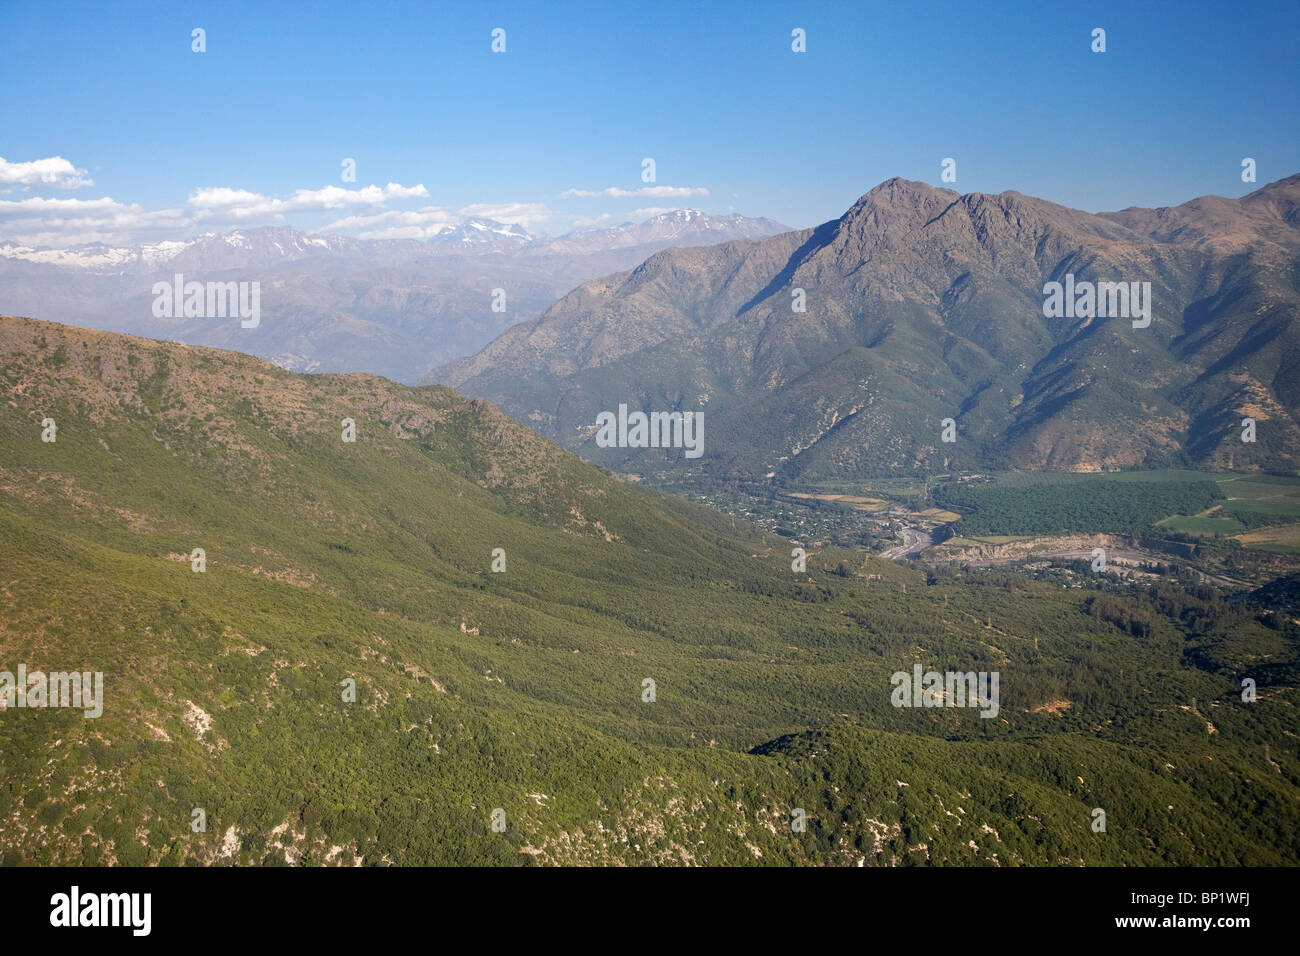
x: 445, y: 439
x: 902, y: 519
x: 351, y: 678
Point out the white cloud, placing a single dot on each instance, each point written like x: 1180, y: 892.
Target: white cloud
x: 58, y: 223
x: 38, y: 206
x: 235, y: 204
x: 524, y: 214
x: 63, y: 222
x: 395, y: 224
x: 362, y: 211
x: 585, y: 222
x: 429, y: 221
x: 652, y: 192
x: 403, y: 232
x: 54, y: 172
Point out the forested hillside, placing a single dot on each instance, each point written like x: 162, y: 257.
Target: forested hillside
x: 524, y: 690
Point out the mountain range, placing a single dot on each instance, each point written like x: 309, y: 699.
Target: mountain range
x: 840, y: 351
x: 392, y: 307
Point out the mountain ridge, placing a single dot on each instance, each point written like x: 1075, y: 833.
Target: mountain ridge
x: 922, y: 305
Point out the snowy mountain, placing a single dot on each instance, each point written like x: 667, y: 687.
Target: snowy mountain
x: 678, y: 227
x: 394, y: 307
x: 484, y: 232
x: 262, y: 247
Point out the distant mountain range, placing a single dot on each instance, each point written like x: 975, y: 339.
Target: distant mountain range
x: 921, y: 305
x: 394, y: 307
x: 267, y: 246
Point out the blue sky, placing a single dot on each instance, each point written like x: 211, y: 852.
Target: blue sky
x: 183, y: 142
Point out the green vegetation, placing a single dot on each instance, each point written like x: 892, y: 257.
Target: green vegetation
x: 522, y: 690
x: 1193, y: 503
x: 1199, y: 526
x: 1059, y: 504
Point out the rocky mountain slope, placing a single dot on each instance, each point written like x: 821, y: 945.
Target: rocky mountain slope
x: 920, y: 305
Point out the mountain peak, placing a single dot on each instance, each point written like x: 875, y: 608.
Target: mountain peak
x: 894, y: 183
x: 479, y: 230
x: 900, y: 193
x: 921, y: 304
x: 894, y: 207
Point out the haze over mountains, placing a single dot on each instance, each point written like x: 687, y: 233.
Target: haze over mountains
x: 394, y: 307
x: 923, y: 304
